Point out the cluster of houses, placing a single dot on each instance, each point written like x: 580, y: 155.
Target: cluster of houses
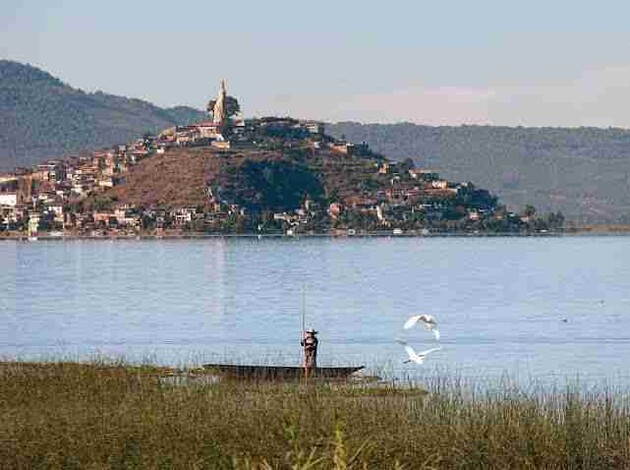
x: 409, y: 198
x: 39, y: 198
x: 44, y: 198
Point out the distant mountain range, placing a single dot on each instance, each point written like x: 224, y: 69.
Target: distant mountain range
x: 583, y: 172
x: 41, y: 117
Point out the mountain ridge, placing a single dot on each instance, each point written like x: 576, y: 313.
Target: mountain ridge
x: 42, y: 117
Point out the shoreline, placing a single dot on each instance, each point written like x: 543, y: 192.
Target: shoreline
x: 607, y: 230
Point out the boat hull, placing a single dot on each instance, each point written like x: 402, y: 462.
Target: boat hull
x: 250, y: 372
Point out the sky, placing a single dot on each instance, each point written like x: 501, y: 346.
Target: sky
x: 535, y: 63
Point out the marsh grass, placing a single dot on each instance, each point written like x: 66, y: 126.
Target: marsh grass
x: 112, y: 415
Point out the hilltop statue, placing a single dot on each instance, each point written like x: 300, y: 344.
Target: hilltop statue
x: 218, y: 113
x: 223, y: 107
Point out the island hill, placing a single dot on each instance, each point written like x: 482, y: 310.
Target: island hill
x: 232, y: 175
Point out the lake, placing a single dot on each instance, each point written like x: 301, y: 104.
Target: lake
x: 545, y: 309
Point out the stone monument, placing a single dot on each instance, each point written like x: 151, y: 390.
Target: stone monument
x: 219, y: 112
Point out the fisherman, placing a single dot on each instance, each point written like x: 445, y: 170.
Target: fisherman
x: 309, y: 343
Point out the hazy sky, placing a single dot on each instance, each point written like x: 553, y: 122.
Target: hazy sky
x: 534, y: 63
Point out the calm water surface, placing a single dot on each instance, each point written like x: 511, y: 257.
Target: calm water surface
x: 541, y: 308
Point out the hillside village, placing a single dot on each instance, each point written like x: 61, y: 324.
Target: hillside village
x: 227, y: 174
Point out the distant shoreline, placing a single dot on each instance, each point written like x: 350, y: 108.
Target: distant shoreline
x: 599, y: 230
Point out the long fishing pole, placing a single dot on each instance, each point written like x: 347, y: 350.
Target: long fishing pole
x: 303, y: 310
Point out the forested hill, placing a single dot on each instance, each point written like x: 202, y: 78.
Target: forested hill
x: 42, y: 117
x: 583, y: 172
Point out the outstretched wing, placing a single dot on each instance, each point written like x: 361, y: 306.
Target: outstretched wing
x: 428, y: 351
x: 427, y: 320
x: 411, y: 321
x: 411, y: 353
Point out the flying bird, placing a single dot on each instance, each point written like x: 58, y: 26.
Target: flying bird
x: 427, y: 320
x: 418, y: 358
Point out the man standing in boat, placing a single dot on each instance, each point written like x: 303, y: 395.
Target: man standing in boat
x: 309, y: 343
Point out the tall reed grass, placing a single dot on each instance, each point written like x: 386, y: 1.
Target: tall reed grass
x: 70, y: 415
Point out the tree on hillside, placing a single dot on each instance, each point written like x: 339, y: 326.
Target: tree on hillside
x: 407, y: 164
x: 529, y: 211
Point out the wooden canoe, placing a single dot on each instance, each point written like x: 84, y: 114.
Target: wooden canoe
x: 250, y: 372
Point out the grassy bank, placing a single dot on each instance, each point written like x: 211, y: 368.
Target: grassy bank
x: 67, y: 415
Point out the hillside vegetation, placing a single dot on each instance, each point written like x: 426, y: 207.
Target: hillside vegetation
x: 584, y: 173
x: 41, y: 117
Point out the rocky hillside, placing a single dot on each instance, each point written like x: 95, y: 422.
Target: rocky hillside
x: 41, y: 117
x: 258, y: 180
x: 584, y: 173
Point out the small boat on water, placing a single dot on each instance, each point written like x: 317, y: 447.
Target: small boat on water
x: 308, y: 369
x: 252, y: 372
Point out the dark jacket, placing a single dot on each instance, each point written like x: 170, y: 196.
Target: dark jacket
x: 310, y: 343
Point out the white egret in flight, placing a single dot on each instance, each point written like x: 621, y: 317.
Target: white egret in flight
x: 418, y: 358
x: 427, y: 320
